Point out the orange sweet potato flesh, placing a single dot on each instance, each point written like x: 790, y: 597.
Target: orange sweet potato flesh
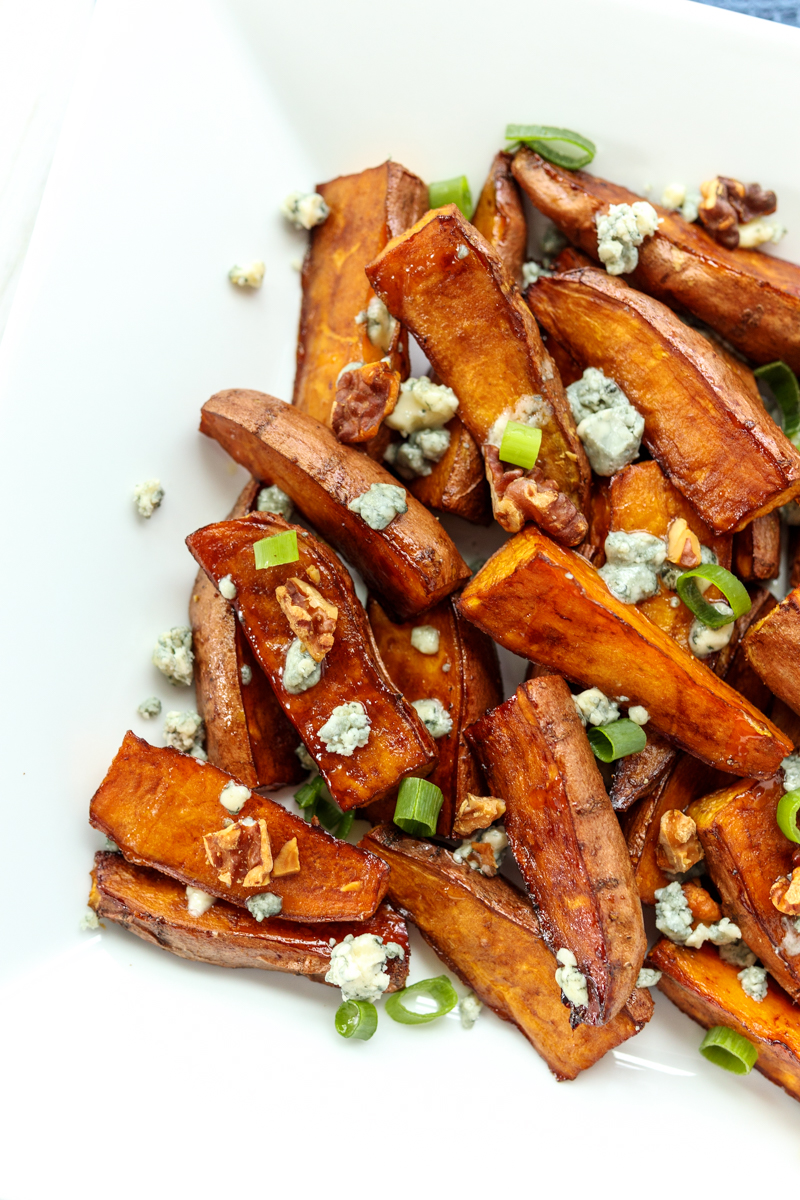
x: 158, y: 805
x: 706, y: 988
x: 469, y: 686
x: 398, y: 745
x: 548, y: 604
x: 366, y: 210
x: 565, y: 838
x: 745, y: 853
x: 772, y: 647
x: 412, y: 563
x: 712, y: 437
x: 153, y: 907
x: 457, y: 483
x: 751, y: 298
x: 757, y: 549
x: 486, y: 931
x: 478, y: 333
x: 500, y: 217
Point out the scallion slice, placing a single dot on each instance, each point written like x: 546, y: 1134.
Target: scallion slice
x: 356, y: 1019
x: 451, y: 191
x: 520, y: 445
x: 440, y: 990
x: 786, y: 813
x: 617, y: 740
x: 417, y: 808
x: 730, y: 1050
x: 732, y: 589
x: 276, y: 550
x: 782, y: 382
x: 564, y: 147
x: 307, y: 795
x: 345, y: 825
x: 328, y: 813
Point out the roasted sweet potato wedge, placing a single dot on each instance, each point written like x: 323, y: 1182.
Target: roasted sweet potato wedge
x: 412, y: 563
x: 365, y: 211
x: 745, y: 854
x: 153, y: 907
x: 163, y: 810
x: 566, y: 840
x: 532, y: 596
x: 713, y: 439
x: 463, y: 675
x: 486, y: 931
x: 397, y: 742
x: 638, y: 774
x: 772, y: 647
x: 500, y: 217
x: 449, y: 287
x: 757, y: 549
x: 752, y: 298
x: 598, y: 514
x: 707, y: 989
x: 457, y: 483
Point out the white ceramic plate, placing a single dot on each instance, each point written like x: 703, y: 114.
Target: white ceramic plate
x: 125, y: 1069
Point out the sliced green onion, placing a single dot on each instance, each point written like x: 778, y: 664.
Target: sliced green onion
x: 276, y: 550
x: 564, y: 147
x: 732, y: 589
x: 617, y: 740
x: 356, y: 1019
x: 346, y: 824
x: 520, y: 445
x: 307, y: 795
x: 451, y: 191
x: 328, y: 813
x: 788, y: 808
x: 730, y: 1050
x: 782, y: 382
x: 440, y: 990
x: 417, y: 808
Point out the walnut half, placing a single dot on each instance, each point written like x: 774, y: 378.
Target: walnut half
x: 311, y: 617
x: 785, y: 893
x: 477, y: 812
x: 678, y: 844
x: 727, y: 203
x: 240, y: 854
x: 520, y: 496
x: 366, y: 393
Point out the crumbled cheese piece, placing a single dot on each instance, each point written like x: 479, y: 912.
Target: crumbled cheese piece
x: 495, y: 836
x: 422, y: 405
x: 594, y: 392
x: 673, y: 914
x: 608, y: 425
x: 632, y: 560
x: 530, y: 410
x: 418, y: 455
x: 380, y: 505
x: 305, y: 209
x: 265, y: 904
x: 151, y: 707
x: 300, y: 671
x: 791, y: 772
x: 469, y: 1009
x: 357, y: 966
x: 677, y: 196
x: 434, y: 717
x: 446, y: 667
x: 234, y: 796
x: 173, y: 655
x: 738, y: 953
x: 638, y: 714
x: 274, y: 500
x: 227, y: 588
x: 425, y: 638
x: 111, y: 847
x: 595, y: 708
x: 306, y: 761
x: 754, y: 982
x: 89, y: 920
x: 184, y: 730
x: 347, y: 728
x: 647, y: 977
x: 198, y: 901
x: 704, y: 641
x: 246, y: 674
x: 620, y: 231
x: 251, y: 276
x: 531, y: 271
x: 379, y: 322
x: 462, y: 251
x: 570, y: 979
x: 721, y: 933
x: 791, y: 941
x: 147, y: 497
x: 758, y: 232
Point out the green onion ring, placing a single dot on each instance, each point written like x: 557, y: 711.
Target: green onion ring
x: 732, y: 589
x: 782, y: 382
x: 520, y: 445
x: 730, y: 1050
x: 451, y: 191
x: 439, y: 989
x: 617, y: 740
x: 786, y: 814
x: 356, y: 1019
x: 276, y: 550
x: 307, y: 795
x: 564, y: 147
x: 417, y: 808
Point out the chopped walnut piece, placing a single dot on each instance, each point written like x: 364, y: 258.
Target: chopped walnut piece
x: 678, y: 845
x: 355, y: 886
x: 365, y: 395
x: 477, y: 812
x: 287, y: 861
x: 240, y: 853
x: 520, y: 496
x: 727, y: 203
x: 313, y: 573
x: 311, y: 617
x: 484, y: 853
x: 785, y: 893
x: 704, y: 907
x: 683, y: 546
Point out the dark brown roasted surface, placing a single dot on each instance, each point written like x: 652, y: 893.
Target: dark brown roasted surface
x: 457, y: 483
x: 500, y: 217
x: 773, y: 648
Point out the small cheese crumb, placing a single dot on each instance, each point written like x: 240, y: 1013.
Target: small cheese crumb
x: 638, y: 714
x: 305, y: 209
x: 647, y: 977
x: 425, y: 638
x: 234, y: 796
x: 462, y: 251
x: 434, y: 717
x: 570, y: 979
x: 246, y: 674
x: 227, y: 588
x: 380, y: 324
x: 89, y: 920
x: 422, y: 405
x: 147, y: 497
x: 266, y: 904
x: 379, y: 506
x: 300, y: 671
x: 620, y: 232
x: 469, y: 1009
x: 184, y: 731
x: 754, y: 982
x: 174, y: 657
x: 274, y: 499
x: 594, y: 707
x: 198, y: 901
x: 251, y: 276
x: 347, y: 728
x: 151, y: 707
x: 357, y: 966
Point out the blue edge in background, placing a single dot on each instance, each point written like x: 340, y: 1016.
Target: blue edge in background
x: 784, y: 11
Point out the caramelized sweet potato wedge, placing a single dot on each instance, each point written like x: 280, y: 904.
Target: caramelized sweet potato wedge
x: 772, y: 646
x: 751, y: 298
x: 398, y: 743
x: 412, y: 563
x: 486, y: 931
x: 637, y: 775
x: 712, y: 437
x: 163, y: 810
x: 366, y: 210
x: 548, y: 604
x: 500, y: 217
x: 706, y: 988
x: 463, y: 675
x: 566, y: 840
x: 757, y: 549
x: 457, y: 483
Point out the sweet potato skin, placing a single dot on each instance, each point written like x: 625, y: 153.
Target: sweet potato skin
x: 412, y: 563
x: 757, y: 549
x: 772, y: 647
x: 487, y: 933
x: 706, y: 988
x: 153, y: 907
x: 751, y: 298
x: 712, y: 438
x: 500, y: 217
x: 638, y: 774
x: 533, y: 595
x: 457, y: 483
x: 398, y: 745
x: 158, y: 804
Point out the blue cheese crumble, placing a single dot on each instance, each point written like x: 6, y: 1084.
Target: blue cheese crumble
x: 495, y: 837
x: 434, y: 717
x: 704, y: 641
x: 531, y: 271
x: 595, y: 708
x: 151, y: 707
x: 300, y: 671
x: 620, y: 232
x: 754, y: 982
x: 738, y: 953
x: 425, y: 638
x: 469, y: 1009
x: 227, y: 588
x: 791, y: 772
x: 380, y: 324
x: 346, y: 729
x: 184, y: 731
x: 274, y: 500
x: 790, y: 945
x: 570, y: 979
x: 721, y: 933
x: 647, y: 977
x: 638, y: 714
x: 608, y: 425
x: 173, y: 655
x: 673, y: 914
x: 198, y: 901
x: 147, y: 497
x: 380, y: 505
x: 251, y: 276
x: 422, y: 405
x: 306, y: 761
x: 677, y: 196
x: 234, y: 796
x: 632, y: 563
x: 265, y: 904
x: 305, y: 210
x: 419, y: 453
x: 89, y: 920
x: 246, y: 674
x: 760, y: 231
x: 357, y: 966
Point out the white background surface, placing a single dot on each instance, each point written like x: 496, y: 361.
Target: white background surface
x: 124, y: 1069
